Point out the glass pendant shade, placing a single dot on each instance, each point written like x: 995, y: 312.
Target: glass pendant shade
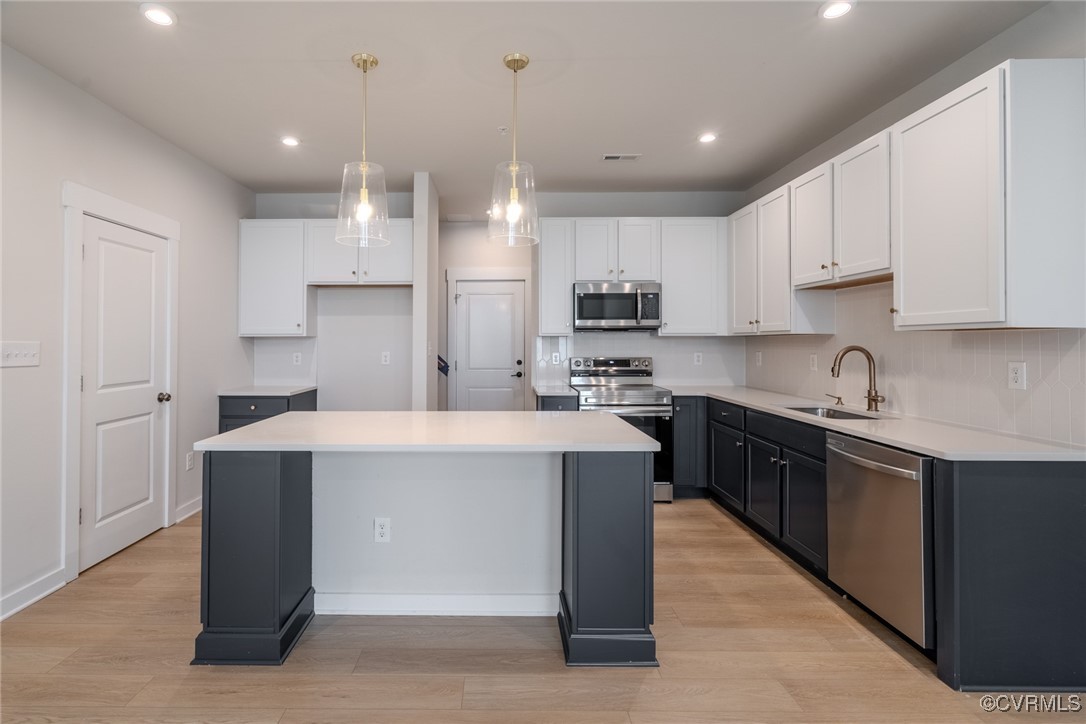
x: 514, y: 219
x: 363, y: 206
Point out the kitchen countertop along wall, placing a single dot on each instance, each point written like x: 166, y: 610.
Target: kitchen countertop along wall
x: 927, y: 437
x: 954, y: 377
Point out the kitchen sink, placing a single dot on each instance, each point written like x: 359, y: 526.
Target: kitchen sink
x: 833, y: 413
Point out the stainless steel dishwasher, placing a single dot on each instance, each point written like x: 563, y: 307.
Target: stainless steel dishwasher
x: 879, y: 530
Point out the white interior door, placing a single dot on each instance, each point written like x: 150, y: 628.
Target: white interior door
x: 123, y: 442
x: 490, y: 363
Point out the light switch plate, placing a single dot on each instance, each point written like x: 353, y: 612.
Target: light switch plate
x: 20, y: 354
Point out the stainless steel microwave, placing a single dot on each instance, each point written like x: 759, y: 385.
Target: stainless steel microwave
x: 616, y: 305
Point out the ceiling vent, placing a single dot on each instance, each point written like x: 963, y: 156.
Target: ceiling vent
x: 621, y: 156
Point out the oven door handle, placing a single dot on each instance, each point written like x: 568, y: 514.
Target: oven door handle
x: 629, y: 411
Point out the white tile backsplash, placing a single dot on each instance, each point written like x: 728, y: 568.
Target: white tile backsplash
x: 957, y: 377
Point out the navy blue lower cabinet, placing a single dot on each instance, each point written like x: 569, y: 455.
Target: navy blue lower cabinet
x: 764, y: 484
x: 556, y: 403
x: 727, y: 475
x: 803, y: 506
x: 240, y: 410
x: 690, y: 468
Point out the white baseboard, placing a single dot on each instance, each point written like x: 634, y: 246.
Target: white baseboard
x: 421, y: 604
x: 189, y: 509
x: 35, y: 591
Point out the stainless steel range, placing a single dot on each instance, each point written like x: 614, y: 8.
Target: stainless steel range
x: 623, y: 386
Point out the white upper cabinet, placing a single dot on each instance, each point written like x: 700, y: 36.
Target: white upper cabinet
x: 812, y: 226
x: 617, y: 250
x: 774, y: 269
x: 273, y: 300
x: 692, y: 275
x: 841, y: 218
x: 333, y: 263
x: 861, y: 210
x: 638, y: 250
x: 763, y: 300
x: 553, y: 279
x: 744, y: 271
x: 987, y: 188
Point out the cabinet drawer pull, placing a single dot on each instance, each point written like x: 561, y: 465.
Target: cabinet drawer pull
x: 252, y: 408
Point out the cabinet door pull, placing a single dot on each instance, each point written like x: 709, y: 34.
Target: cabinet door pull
x: 782, y: 463
x: 772, y: 460
x: 893, y: 310
x: 739, y: 444
x: 823, y: 266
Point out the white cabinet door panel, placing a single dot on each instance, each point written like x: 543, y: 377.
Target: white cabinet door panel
x: 271, y: 279
x: 947, y: 176
x: 689, y: 282
x: 554, y: 280
x: 329, y: 261
x: 861, y: 197
x: 774, y: 268
x: 744, y: 270
x: 812, y: 226
x: 638, y: 250
x: 595, y: 250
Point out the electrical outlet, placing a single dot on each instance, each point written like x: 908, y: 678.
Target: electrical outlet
x: 190, y: 462
x: 814, y: 362
x: 297, y: 358
x: 758, y: 358
x: 386, y: 358
x: 1016, y: 376
x: 556, y: 359
x: 697, y: 359
x: 382, y: 530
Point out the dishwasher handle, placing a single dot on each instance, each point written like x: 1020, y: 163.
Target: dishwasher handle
x: 872, y: 465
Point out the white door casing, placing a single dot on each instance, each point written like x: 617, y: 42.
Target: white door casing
x: 489, y: 353
x: 124, y: 366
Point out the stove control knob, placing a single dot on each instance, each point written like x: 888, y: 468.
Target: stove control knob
x: 576, y: 363
x: 637, y: 363
x: 588, y: 363
x: 645, y: 363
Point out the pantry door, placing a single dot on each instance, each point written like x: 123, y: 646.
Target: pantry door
x: 123, y: 450
x: 489, y: 363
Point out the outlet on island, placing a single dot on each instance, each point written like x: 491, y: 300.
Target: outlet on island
x: 382, y: 530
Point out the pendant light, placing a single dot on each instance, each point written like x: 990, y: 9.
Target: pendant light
x: 363, y: 202
x: 514, y: 220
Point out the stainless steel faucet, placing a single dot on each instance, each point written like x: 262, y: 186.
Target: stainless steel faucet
x: 873, y: 396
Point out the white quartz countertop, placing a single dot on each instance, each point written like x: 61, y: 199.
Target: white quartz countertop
x: 265, y: 391
x: 490, y: 432
x: 553, y: 390
x: 927, y: 437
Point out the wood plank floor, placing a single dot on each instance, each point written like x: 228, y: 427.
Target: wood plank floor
x: 743, y: 634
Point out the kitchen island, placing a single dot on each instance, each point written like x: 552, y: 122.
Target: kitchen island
x: 258, y: 560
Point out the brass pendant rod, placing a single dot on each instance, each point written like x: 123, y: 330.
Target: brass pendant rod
x: 514, y: 119
x: 365, y: 109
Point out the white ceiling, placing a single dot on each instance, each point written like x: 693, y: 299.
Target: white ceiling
x: 771, y: 78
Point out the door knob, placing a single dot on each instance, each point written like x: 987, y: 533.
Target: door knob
x: 164, y: 397
x: 518, y: 374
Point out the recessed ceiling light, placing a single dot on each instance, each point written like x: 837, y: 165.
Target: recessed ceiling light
x: 158, y: 14
x: 707, y: 137
x: 834, y: 9
x: 289, y: 141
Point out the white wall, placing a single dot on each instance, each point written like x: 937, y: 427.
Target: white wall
x: 55, y: 132
x: 1056, y: 30
x: 320, y: 206
x: 957, y: 377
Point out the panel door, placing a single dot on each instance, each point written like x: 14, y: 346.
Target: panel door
x: 727, y: 465
x: 555, y: 276
x: 595, y: 250
x: 490, y: 370
x: 763, y: 484
x: 329, y: 262
x: 639, y: 250
x: 391, y: 264
x: 803, y: 514
x: 123, y: 453
x: 947, y: 205
x: 861, y: 197
x: 812, y: 226
x: 271, y: 278
x: 744, y: 271
x: 774, y: 266
x: 689, y: 274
